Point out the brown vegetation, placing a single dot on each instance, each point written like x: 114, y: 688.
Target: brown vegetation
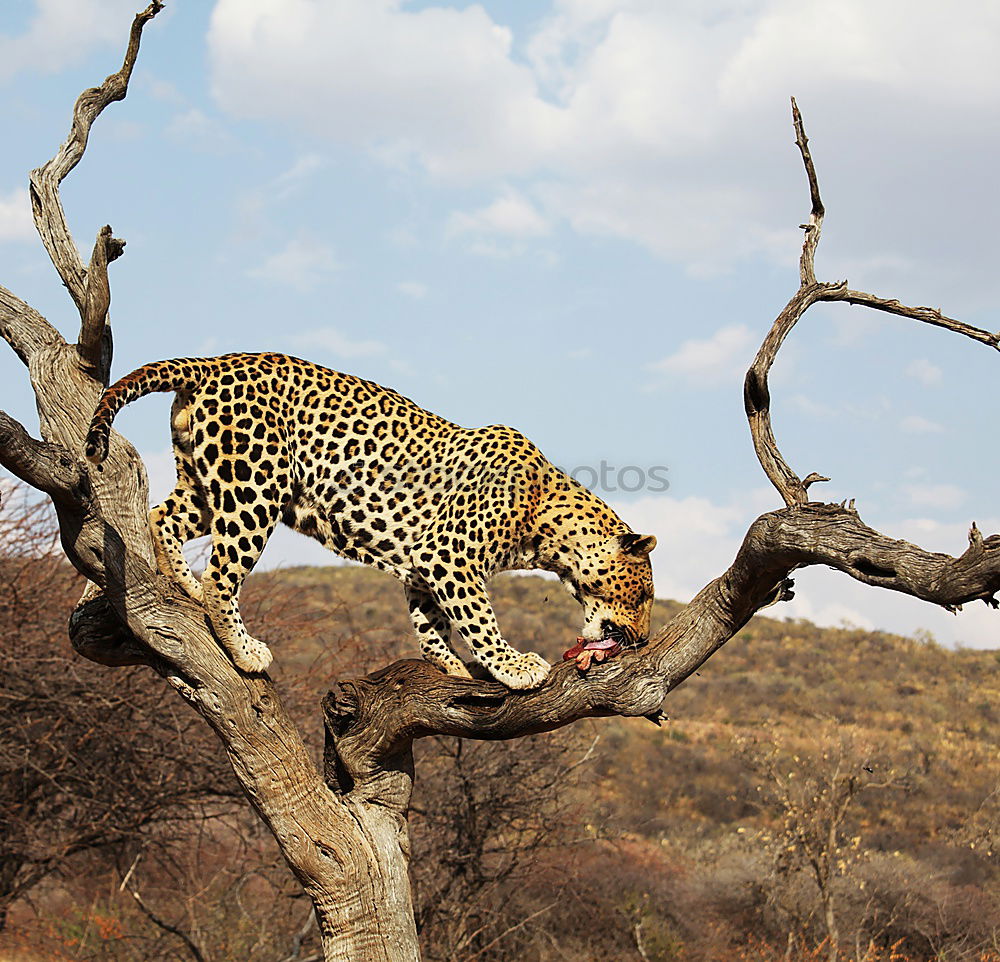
x: 83, y: 766
x: 613, y: 840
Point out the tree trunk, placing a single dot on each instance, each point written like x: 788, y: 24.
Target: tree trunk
x: 368, y: 914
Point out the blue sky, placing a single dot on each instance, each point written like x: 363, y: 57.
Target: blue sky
x: 577, y: 217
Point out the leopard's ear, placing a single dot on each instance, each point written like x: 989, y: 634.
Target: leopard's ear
x: 636, y: 544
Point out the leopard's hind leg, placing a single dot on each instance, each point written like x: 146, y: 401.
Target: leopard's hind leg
x: 244, y: 513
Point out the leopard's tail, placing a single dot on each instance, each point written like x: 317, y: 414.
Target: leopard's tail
x: 176, y: 375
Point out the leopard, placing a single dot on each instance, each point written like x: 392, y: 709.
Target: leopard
x: 265, y: 438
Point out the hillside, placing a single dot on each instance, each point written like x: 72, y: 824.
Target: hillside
x: 785, y: 677
x: 612, y: 839
x: 925, y: 718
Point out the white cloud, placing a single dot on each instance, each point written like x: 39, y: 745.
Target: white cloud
x: 705, y: 226
x: 664, y: 124
x: 196, y: 129
x: 717, y: 358
x: 62, y: 33
x: 814, y: 408
x: 302, y: 264
x: 914, y: 424
x: 15, y: 216
x: 403, y: 367
x: 335, y: 342
x: 292, y: 179
x: 164, y: 91
x: 941, y: 496
x: 946, y: 537
x: 498, y: 250
x: 924, y: 371
x: 511, y: 215
x: 281, y: 189
x: 437, y: 85
x: 950, y: 538
x: 825, y: 46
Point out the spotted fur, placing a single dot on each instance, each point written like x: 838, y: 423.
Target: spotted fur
x: 263, y: 438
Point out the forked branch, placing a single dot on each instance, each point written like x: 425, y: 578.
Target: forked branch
x: 756, y: 394
x: 372, y: 721
x: 88, y: 288
x: 345, y: 856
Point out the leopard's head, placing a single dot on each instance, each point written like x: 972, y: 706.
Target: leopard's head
x: 613, y: 580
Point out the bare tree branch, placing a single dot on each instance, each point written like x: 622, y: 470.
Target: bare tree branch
x: 756, y: 394
x: 23, y: 328
x: 50, y: 219
x: 807, y: 272
x: 89, y: 289
x: 45, y: 466
x: 94, y: 344
x: 189, y: 943
x: 927, y: 315
x: 371, y: 722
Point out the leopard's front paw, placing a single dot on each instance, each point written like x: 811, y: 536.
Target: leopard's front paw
x: 524, y: 671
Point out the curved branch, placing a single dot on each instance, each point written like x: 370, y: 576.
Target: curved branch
x: 50, y: 218
x: 45, y: 466
x: 371, y: 722
x: 757, y: 395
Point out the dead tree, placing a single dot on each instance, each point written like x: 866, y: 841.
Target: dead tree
x: 343, y: 831
x: 812, y: 799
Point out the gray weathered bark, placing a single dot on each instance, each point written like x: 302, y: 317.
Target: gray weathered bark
x: 344, y: 832
x: 348, y: 852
